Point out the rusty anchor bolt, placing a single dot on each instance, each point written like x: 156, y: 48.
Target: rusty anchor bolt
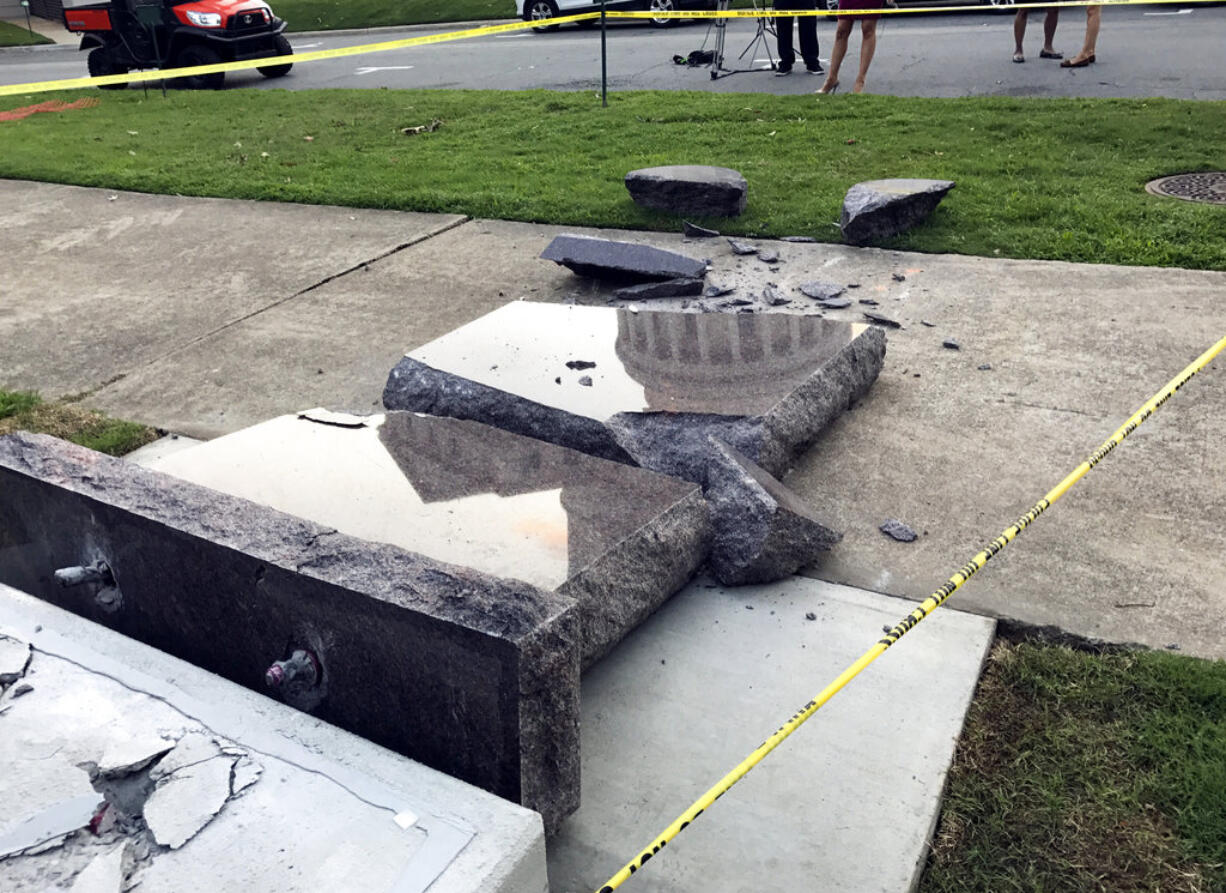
x: 302, y: 668
x: 98, y: 572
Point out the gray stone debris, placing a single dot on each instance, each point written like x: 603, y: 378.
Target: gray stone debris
x: 821, y: 291
x: 718, y: 291
x: 951, y: 344
x: 834, y: 303
x: 774, y: 297
x: 762, y: 530
x: 931, y: 325
x: 586, y: 381
x: 768, y: 256
x: 694, y: 231
x: 985, y: 367
x: 899, y: 277
x: 14, y: 658
x: 742, y: 247
x: 878, y: 209
x: 187, y: 798
x: 898, y: 530
x: 697, y: 190
x: 868, y: 302
x: 882, y: 320
x: 625, y: 261
x: 669, y: 288
x: 797, y: 239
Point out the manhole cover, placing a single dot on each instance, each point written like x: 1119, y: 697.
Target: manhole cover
x: 1208, y: 187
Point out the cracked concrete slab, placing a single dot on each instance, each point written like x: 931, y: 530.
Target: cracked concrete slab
x: 188, y: 798
x: 333, y: 811
x: 140, y: 276
x: 14, y: 657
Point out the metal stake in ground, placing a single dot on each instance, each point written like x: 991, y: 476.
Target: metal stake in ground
x: 930, y: 604
x: 604, y: 59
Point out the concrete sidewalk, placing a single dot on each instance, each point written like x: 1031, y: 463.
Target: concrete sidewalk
x: 202, y: 316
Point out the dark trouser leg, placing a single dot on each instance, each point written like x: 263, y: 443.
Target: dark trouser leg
x: 808, y: 39
x: 787, y: 55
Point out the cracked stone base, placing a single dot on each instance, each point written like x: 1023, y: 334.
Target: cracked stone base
x: 463, y: 671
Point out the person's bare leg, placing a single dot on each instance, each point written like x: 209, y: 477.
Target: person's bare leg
x: 868, y: 45
x: 841, y: 33
x: 1093, y: 18
x: 1019, y: 32
x: 1049, y: 29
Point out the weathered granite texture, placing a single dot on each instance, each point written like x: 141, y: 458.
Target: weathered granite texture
x: 700, y: 190
x: 664, y: 382
x: 471, y: 674
x: 621, y: 261
x: 619, y: 540
x: 878, y: 209
x: 763, y: 531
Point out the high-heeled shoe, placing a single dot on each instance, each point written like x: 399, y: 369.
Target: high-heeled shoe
x: 823, y: 90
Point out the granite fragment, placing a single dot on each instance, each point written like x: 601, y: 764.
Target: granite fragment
x: 621, y: 261
x: 821, y: 291
x: 762, y: 530
x: 697, y: 190
x: 669, y: 288
x: 877, y: 209
x: 742, y: 248
x: 881, y: 320
x: 897, y: 530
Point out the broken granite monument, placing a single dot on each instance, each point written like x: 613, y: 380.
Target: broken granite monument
x: 762, y: 530
x: 621, y: 261
x: 663, y: 383
x: 689, y: 189
x: 467, y: 672
x: 877, y: 209
x: 618, y: 540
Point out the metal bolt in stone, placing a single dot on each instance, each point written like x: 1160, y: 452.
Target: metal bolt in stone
x: 98, y: 572
x: 302, y: 666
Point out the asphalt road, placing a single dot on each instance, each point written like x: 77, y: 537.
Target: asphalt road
x: 1168, y: 50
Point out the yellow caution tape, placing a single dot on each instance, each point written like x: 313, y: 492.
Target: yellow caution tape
x: 930, y: 604
x: 384, y: 46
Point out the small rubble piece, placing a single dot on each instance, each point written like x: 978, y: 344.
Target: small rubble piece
x: 192, y: 785
x: 737, y: 302
x: 834, y: 303
x: 878, y: 209
x: 768, y: 256
x: 931, y: 325
x: 605, y: 258
x: 694, y: 231
x: 985, y: 367
x: 14, y: 658
x: 691, y: 189
x: 669, y: 288
x: 742, y: 247
x: 102, y: 875
x: 797, y: 239
x: 718, y: 291
x: 899, y: 531
x: 586, y: 381
x: 868, y: 302
x: 951, y: 344
x: 882, y: 320
x: 774, y: 297
x: 821, y: 291
x: 579, y: 365
x: 762, y: 530
x: 899, y: 277
x: 810, y: 616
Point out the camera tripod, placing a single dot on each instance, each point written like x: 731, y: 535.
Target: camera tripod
x: 760, y: 41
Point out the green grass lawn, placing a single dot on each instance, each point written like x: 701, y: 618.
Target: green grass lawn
x: 1082, y: 772
x: 1055, y: 178
x: 15, y: 36
x: 24, y: 411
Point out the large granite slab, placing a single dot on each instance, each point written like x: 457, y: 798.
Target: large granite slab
x: 647, y: 387
x: 469, y: 673
x: 619, y: 540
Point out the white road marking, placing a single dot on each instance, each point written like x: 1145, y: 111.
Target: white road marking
x: 1181, y: 12
x: 305, y: 46
x: 373, y: 68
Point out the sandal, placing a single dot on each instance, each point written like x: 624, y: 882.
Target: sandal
x: 1077, y: 63
x: 1018, y: 57
x: 1043, y: 54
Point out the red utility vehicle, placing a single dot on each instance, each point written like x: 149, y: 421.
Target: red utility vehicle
x: 122, y: 35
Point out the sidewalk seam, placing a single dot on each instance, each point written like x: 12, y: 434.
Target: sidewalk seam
x: 425, y: 237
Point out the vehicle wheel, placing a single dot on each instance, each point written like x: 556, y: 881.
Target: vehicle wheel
x: 100, y: 63
x: 539, y: 11
x: 1000, y: 4
x: 663, y: 10
x: 283, y: 49
x: 198, y: 54
x: 831, y: 5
